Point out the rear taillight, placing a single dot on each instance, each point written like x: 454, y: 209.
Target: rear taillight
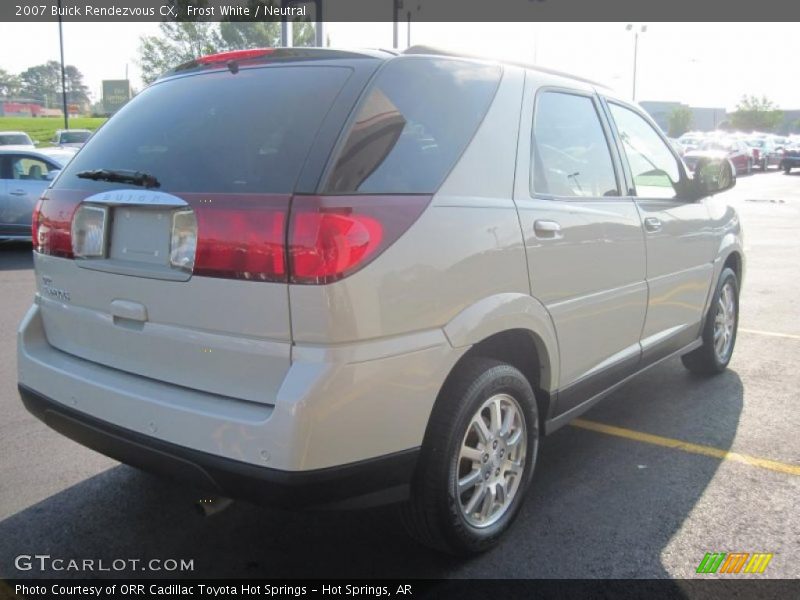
x: 331, y: 237
x: 319, y: 240
x: 241, y: 237
x: 52, y: 223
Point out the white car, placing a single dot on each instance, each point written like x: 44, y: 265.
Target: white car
x: 18, y: 140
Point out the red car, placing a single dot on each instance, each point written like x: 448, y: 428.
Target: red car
x: 735, y: 150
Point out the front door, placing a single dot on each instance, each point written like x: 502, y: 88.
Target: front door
x: 680, y: 240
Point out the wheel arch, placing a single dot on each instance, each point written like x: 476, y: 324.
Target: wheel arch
x: 513, y: 328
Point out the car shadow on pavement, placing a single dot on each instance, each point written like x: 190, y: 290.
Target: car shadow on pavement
x: 600, y: 506
x: 15, y: 256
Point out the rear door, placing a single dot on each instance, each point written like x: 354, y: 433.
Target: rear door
x: 24, y: 180
x: 583, y: 240
x: 680, y: 240
x: 186, y: 282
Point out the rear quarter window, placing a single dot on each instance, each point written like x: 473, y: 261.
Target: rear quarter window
x: 216, y: 132
x: 412, y: 125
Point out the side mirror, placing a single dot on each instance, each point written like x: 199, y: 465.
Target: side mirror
x: 712, y: 176
x: 51, y: 175
x: 36, y: 142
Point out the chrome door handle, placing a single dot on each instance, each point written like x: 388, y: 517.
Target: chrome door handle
x: 547, y: 229
x: 18, y: 192
x: 652, y: 224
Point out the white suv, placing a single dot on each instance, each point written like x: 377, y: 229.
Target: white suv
x: 311, y: 277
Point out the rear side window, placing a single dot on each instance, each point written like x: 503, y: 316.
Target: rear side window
x: 412, y: 126
x: 216, y: 132
x: 569, y: 149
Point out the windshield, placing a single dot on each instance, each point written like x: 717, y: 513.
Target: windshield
x: 74, y: 137
x: 215, y: 132
x: 14, y: 139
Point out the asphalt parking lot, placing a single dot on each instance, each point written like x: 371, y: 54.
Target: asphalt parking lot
x: 607, y: 501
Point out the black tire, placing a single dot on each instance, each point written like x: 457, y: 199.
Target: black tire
x: 705, y: 360
x: 787, y: 169
x: 764, y: 165
x: 433, y: 514
x: 749, y: 166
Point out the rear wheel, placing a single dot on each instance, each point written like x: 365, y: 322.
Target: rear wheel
x: 787, y: 169
x: 749, y: 166
x: 719, y: 332
x: 477, y: 459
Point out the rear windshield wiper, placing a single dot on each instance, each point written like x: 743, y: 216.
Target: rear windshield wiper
x: 121, y: 176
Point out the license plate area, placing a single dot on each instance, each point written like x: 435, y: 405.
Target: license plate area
x: 140, y: 235
x: 138, y: 244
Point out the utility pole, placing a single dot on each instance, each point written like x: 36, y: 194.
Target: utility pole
x: 396, y: 6
x: 63, y: 71
x: 636, y: 33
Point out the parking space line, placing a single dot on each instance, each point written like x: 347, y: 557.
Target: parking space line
x: 790, y: 336
x: 665, y: 442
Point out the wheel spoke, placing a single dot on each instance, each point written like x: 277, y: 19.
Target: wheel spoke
x: 508, y: 421
x: 482, y: 430
x: 496, y: 419
x: 511, y: 468
x: 514, y: 438
x: 470, y: 453
x: 475, y: 499
x: 488, y: 501
x: 470, y: 480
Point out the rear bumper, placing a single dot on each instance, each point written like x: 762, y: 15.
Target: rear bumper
x: 371, y: 482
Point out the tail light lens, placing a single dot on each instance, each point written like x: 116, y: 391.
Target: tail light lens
x: 241, y: 237
x: 331, y: 237
x: 52, y: 223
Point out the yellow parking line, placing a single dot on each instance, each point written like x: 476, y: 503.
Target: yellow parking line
x: 666, y: 442
x: 790, y: 336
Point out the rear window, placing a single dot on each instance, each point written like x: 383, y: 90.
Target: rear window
x: 14, y: 139
x: 216, y: 132
x: 413, y: 124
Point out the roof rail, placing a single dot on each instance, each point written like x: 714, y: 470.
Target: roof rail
x: 433, y: 51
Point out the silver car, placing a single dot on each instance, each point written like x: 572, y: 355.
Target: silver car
x: 24, y: 175
x: 318, y: 278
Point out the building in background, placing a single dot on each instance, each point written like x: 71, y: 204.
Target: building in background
x: 703, y: 119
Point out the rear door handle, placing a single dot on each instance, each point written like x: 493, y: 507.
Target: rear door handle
x: 652, y: 224
x: 18, y: 193
x: 544, y: 228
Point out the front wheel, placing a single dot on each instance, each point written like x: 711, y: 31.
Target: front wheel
x: 719, y: 331
x: 477, y: 459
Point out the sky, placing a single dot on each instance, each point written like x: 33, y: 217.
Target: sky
x: 701, y: 64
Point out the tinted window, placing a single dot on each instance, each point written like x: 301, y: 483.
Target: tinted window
x: 413, y: 125
x: 569, y: 148
x: 74, y: 137
x: 655, y: 170
x: 216, y: 132
x: 13, y: 139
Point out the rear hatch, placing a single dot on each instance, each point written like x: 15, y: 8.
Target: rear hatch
x: 161, y: 246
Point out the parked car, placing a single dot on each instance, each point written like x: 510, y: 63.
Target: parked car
x: 19, y: 140
x: 24, y: 175
x: 369, y: 278
x: 734, y: 149
x: 790, y: 158
x: 71, y: 138
x: 765, y: 154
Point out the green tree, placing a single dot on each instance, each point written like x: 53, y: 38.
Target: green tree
x: 680, y: 121
x: 42, y: 83
x: 181, y: 42
x: 756, y: 113
x: 9, y: 84
x: 77, y: 91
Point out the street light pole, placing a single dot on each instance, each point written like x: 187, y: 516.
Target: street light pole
x: 63, y: 72
x: 636, y: 33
